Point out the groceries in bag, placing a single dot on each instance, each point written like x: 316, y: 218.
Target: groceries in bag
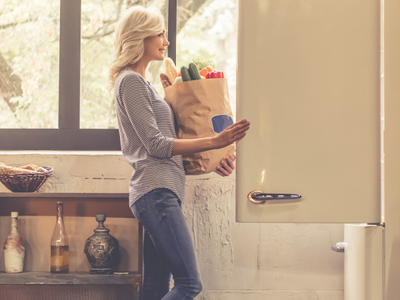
x: 202, y: 109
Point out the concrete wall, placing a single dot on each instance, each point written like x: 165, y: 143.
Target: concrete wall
x: 259, y: 261
x: 237, y: 260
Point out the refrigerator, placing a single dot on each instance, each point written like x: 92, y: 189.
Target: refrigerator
x: 311, y: 80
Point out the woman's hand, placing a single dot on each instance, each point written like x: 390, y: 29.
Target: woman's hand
x: 233, y: 133
x: 226, y: 166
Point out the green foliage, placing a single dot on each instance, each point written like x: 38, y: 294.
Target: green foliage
x: 202, y: 62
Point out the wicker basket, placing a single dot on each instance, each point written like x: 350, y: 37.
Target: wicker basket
x: 26, y: 182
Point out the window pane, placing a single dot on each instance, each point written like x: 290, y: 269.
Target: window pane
x: 206, y: 31
x: 98, y: 24
x: 29, y: 60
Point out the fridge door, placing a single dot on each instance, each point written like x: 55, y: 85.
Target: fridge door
x: 309, y: 82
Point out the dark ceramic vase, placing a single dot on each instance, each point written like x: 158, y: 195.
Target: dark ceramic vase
x: 101, y: 249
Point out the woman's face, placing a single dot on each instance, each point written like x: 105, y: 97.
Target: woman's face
x: 155, y: 46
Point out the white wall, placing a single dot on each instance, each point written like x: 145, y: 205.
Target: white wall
x: 237, y: 260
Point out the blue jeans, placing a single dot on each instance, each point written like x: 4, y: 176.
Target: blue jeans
x: 168, y: 248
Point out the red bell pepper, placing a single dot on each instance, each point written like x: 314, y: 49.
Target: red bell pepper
x: 215, y: 74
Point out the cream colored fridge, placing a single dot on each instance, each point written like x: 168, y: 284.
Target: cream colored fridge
x: 308, y: 80
x: 311, y: 81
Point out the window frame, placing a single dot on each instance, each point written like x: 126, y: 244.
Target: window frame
x: 69, y: 135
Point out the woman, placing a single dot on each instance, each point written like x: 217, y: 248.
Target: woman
x: 149, y: 144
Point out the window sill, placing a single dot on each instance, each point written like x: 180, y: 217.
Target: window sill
x: 82, y: 173
x: 58, y: 152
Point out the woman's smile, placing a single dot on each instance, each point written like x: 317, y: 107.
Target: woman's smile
x: 154, y: 42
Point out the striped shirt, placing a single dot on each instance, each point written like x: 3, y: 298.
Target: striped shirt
x: 147, y: 132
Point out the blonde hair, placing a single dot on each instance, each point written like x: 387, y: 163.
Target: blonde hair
x: 135, y: 25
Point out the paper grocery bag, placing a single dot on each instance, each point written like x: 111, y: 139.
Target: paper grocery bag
x: 202, y: 109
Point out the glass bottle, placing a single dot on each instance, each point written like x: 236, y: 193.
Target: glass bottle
x: 14, y: 250
x: 59, y: 244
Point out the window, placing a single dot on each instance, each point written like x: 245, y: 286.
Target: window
x: 209, y: 35
x: 29, y: 61
x: 54, y: 65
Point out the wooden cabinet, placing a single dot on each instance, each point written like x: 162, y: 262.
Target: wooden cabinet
x: 36, y: 223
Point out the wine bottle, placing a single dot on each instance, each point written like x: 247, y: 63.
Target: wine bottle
x: 59, y: 244
x: 14, y: 250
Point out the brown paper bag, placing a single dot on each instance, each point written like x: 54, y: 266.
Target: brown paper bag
x: 202, y: 109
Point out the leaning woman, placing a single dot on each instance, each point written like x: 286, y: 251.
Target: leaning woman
x: 149, y: 144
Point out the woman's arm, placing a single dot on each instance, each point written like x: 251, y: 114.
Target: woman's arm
x: 230, y: 135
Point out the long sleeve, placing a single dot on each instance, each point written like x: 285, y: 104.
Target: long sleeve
x: 139, y: 109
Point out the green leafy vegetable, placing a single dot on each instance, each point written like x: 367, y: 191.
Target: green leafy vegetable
x: 202, y: 62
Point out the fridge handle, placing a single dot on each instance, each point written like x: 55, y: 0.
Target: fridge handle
x: 259, y: 197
